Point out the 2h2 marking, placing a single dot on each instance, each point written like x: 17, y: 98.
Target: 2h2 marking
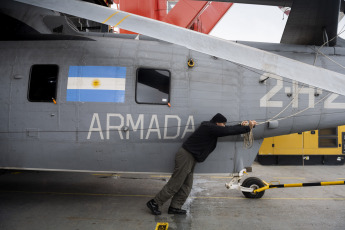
x: 266, y: 100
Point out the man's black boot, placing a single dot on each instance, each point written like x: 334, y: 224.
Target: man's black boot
x: 153, y: 206
x: 172, y: 210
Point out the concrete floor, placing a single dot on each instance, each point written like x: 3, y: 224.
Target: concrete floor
x: 61, y: 200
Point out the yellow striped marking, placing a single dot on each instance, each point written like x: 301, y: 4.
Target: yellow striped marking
x: 221, y: 177
x: 272, y: 198
x: 150, y: 196
x: 293, y: 185
x: 302, y: 198
x: 122, y: 20
x: 110, y: 17
x: 332, y: 183
x: 104, y: 174
x: 162, y: 176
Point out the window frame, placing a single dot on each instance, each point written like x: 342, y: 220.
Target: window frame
x: 56, y: 84
x: 136, y: 86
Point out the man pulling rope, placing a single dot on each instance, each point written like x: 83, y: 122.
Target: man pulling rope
x: 195, y: 149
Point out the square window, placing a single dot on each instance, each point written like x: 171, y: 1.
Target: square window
x: 153, y: 86
x: 43, y: 83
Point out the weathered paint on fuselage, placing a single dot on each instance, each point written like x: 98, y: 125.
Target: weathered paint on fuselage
x: 91, y: 135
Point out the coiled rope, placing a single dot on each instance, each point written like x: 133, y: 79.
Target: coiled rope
x: 248, y: 139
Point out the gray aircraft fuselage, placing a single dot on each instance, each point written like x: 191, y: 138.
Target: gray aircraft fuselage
x: 137, y: 137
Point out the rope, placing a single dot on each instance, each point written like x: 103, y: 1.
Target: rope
x: 326, y: 56
x: 318, y: 50
x: 293, y: 99
x: 248, y: 140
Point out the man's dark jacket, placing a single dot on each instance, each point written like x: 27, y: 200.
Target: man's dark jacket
x: 204, y: 140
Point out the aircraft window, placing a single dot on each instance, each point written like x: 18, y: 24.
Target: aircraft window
x: 153, y: 86
x: 328, y: 138
x: 43, y: 83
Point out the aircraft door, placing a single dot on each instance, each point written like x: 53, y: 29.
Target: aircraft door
x: 34, y: 111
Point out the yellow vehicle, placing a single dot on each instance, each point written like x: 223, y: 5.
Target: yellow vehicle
x: 324, y: 146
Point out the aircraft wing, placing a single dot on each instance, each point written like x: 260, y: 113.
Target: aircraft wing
x: 234, y: 52
x: 312, y: 22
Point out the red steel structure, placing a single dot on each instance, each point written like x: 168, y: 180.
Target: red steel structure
x: 195, y: 15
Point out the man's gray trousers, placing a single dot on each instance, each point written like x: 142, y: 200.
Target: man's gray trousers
x: 181, y: 181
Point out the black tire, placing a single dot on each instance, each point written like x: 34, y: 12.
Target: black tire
x: 253, y: 182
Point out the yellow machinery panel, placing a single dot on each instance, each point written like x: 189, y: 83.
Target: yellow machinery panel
x: 288, y: 144
x: 282, y: 145
x: 311, y: 141
x: 323, y: 146
x: 324, y: 142
x: 267, y: 147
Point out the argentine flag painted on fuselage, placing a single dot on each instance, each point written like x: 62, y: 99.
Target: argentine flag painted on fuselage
x: 96, y: 83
